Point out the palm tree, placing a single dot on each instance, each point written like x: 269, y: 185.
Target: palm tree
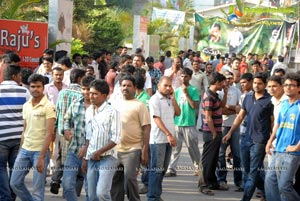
x: 82, y: 31
x: 24, y: 9
x: 169, y: 37
x: 125, y: 17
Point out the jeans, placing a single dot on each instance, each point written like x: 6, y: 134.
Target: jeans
x: 24, y: 162
x: 125, y: 178
x: 297, y: 181
x: 252, y: 155
x: 59, y: 166
x: 189, y: 135
x: 8, y: 154
x: 280, y: 177
x: 100, y: 174
x: 235, y: 150
x: 210, y: 155
x: 160, y: 158
x: 72, y: 167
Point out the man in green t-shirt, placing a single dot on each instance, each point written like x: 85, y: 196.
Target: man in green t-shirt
x: 143, y: 96
x: 140, y: 93
x: 187, y: 98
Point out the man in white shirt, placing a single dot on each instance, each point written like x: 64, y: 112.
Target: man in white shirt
x: 139, y: 62
x: 227, y: 66
x: 163, y: 107
x: 280, y: 65
x: 187, y: 62
x: 103, y: 128
x: 66, y: 65
x: 275, y: 89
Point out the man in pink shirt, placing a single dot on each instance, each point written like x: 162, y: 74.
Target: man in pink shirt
x: 160, y: 64
x: 174, y: 72
x: 52, y: 89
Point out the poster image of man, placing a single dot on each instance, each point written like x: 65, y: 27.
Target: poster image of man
x: 235, y: 39
x: 215, y: 33
x: 275, y: 34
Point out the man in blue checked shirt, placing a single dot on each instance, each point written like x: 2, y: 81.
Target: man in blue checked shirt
x: 154, y: 73
x: 74, y: 122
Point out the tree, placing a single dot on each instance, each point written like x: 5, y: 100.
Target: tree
x: 126, y: 20
x: 107, y: 32
x: 77, y: 47
x: 82, y: 31
x: 170, y: 33
x: 96, y: 23
x: 128, y: 4
x: 32, y: 10
x: 94, y: 30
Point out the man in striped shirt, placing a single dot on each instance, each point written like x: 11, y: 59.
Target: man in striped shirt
x: 12, y: 98
x: 103, y: 129
x: 212, y: 131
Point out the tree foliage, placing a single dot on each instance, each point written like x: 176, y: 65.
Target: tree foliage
x: 107, y: 32
x: 100, y: 24
x: 128, y: 4
x: 23, y: 9
x: 77, y: 47
x: 168, y: 32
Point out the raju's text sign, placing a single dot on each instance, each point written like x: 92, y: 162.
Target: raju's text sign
x: 27, y: 39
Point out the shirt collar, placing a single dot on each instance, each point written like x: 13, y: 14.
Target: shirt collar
x: 41, y: 103
x: 266, y: 95
x: 275, y: 102
x: 139, y: 95
x: 101, y: 108
x: 74, y: 85
x: 63, y: 84
x: 160, y: 96
x: 9, y: 82
x: 212, y: 93
x: 198, y: 72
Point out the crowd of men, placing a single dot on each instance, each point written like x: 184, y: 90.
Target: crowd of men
x: 98, y: 121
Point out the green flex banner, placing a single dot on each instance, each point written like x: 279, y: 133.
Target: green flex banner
x: 218, y: 35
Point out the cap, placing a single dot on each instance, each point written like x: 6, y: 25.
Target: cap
x: 228, y: 74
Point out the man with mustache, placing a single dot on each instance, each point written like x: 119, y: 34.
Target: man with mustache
x: 134, y: 142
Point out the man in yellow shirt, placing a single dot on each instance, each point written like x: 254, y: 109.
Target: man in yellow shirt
x: 39, y: 117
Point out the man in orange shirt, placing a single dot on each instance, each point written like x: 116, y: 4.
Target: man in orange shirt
x: 220, y: 65
x: 244, y: 67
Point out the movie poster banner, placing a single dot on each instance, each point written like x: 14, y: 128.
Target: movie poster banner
x: 218, y: 35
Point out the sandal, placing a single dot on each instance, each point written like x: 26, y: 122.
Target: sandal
x: 239, y: 189
x: 259, y: 194
x: 206, y: 191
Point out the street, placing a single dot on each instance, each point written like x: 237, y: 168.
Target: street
x: 180, y: 188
